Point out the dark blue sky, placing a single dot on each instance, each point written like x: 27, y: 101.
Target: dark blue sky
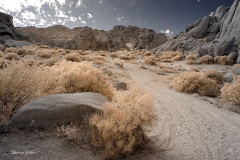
x: 164, y: 15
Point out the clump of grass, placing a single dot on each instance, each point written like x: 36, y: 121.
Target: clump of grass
x: 121, y: 128
x: 151, y: 60
x: 2, y: 47
x: 119, y: 64
x: 223, y: 60
x: 44, y: 53
x: 190, y: 62
x: 74, y: 57
x: 12, y: 56
x: 18, y: 85
x: 198, y: 82
x: 166, y: 69
x: 1, y: 54
x: 191, y: 56
x: 114, y: 55
x: 231, y: 91
x: 207, y: 59
x: 169, y: 56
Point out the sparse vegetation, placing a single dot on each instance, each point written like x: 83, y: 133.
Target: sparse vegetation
x: 191, y: 56
x: 223, y: 60
x: 151, y: 60
x: 12, y: 56
x: 230, y: 92
x: 198, y: 82
x: 207, y: 59
x: 122, y: 126
x: 169, y: 56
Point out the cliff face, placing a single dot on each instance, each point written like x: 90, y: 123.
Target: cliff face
x: 217, y: 34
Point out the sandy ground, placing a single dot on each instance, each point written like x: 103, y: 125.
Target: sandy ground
x: 188, y: 127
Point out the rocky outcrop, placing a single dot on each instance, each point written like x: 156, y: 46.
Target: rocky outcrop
x: 57, y: 109
x: 150, y: 40
x: 7, y: 30
x: 217, y: 34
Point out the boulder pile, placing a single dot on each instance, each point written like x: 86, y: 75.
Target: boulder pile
x: 217, y: 34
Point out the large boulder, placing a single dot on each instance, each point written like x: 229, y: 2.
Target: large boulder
x: 217, y: 34
x: 85, y: 39
x: 57, y: 109
x: 13, y: 43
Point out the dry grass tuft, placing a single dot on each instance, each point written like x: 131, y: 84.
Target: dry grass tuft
x: 12, y: 56
x: 190, y: 62
x: 223, y: 60
x: 151, y: 60
x: 231, y: 92
x: 122, y: 126
x: 207, y: 59
x: 166, y: 69
x: 18, y: 85
x: 119, y: 64
x: 169, y: 56
x: 197, y: 82
x: 4, y: 63
x: 74, y: 57
x: 2, y: 47
x: 114, y: 55
x: 191, y: 56
x: 44, y: 53
x: 1, y: 54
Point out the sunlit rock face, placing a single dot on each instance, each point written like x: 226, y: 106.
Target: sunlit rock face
x: 43, y: 13
x: 217, y: 34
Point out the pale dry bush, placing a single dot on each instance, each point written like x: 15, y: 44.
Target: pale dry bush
x: 73, y: 77
x: 231, y: 92
x: 190, y: 62
x: 11, y: 50
x: 45, y: 47
x: 207, y: 59
x: 114, y: 55
x: 2, y: 47
x: 12, y: 56
x: 214, y: 75
x: 4, y: 63
x: 121, y: 128
x: 18, y: 85
x: 126, y: 58
x: 52, y: 61
x: 74, y: 57
x: 151, y: 60
x: 223, y: 60
x: 44, y: 53
x: 119, y: 64
x: 169, y: 56
x: 191, y: 56
x: 197, y: 82
x: 1, y: 54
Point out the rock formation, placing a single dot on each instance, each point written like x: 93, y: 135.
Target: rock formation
x: 7, y: 30
x: 217, y: 34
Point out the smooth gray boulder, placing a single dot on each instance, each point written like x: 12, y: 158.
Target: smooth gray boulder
x: 223, y: 45
x: 233, y: 56
x: 57, y: 109
x: 228, y: 77
x: 201, y: 29
x: 238, y: 57
x: 13, y: 43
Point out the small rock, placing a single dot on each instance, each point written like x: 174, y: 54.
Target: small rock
x: 228, y: 77
x: 121, y: 86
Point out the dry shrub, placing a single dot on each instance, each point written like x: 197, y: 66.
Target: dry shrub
x: 45, y: 47
x: 119, y: 64
x: 151, y: 60
x: 166, y: 69
x: 73, y: 77
x: 2, y: 47
x: 44, y: 53
x: 231, y: 92
x: 223, y: 60
x: 214, y: 75
x: 190, y: 62
x: 61, y: 51
x: 207, y: 59
x: 12, y: 56
x: 18, y: 85
x: 52, y: 61
x: 191, y: 56
x: 1, y: 54
x: 196, y: 82
x: 11, y: 50
x: 122, y: 126
x: 114, y: 55
x: 98, y: 62
x: 4, y: 63
x: 126, y: 58
x: 169, y: 56
x: 101, y: 58
x: 74, y: 57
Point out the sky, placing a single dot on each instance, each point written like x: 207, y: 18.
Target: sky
x: 170, y: 16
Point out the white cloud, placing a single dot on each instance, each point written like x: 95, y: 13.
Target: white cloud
x: 167, y: 31
x: 89, y: 15
x: 83, y: 22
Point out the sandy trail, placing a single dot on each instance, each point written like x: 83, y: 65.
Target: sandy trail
x: 195, y: 129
